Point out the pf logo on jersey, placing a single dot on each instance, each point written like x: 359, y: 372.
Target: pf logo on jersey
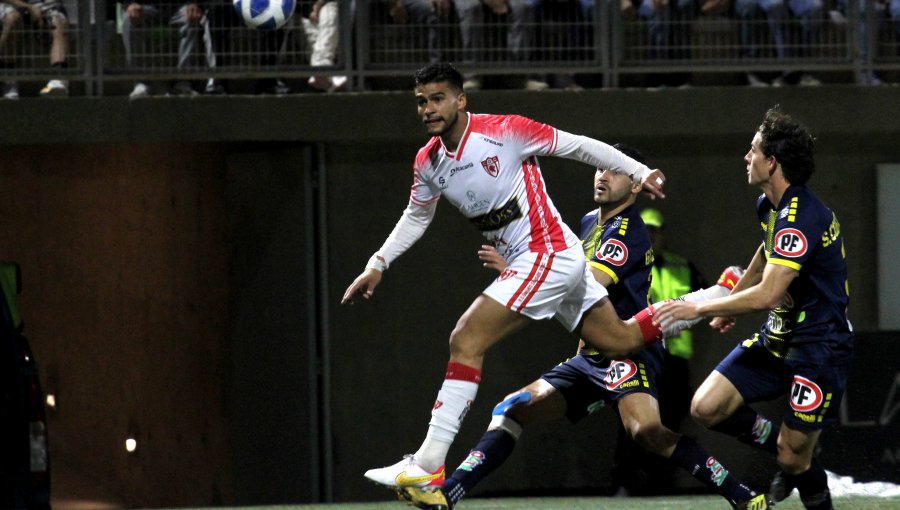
x: 790, y: 242
x: 492, y: 166
x: 805, y: 395
x: 619, y: 372
x: 613, y: 251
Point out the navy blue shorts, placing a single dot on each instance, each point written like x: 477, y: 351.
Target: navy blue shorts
x: 591, y: 382
x: 815, y: 389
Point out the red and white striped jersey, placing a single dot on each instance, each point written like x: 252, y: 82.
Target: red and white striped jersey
x: 495, y: 181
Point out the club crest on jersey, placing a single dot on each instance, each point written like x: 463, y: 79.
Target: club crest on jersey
x: 613, y: 251
x: 492, y: 166
x: 507, y: 274
x: 790, y: 242
x: 805, y: 395
x: 618, y: 372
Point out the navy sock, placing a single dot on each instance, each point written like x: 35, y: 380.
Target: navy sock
x: 813, y: 487
x: 706, y: 469
x: 491, y: 451
x: 751, y: 428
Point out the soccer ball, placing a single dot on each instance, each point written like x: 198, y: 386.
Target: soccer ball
x: 264, y: 14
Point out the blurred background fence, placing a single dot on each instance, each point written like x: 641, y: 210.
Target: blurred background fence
x: 539, y: 41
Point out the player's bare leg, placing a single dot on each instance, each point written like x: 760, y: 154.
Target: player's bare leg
x: 602, y: 329
x: 799, y: 470
x: 715, y: 400
x: 485, y: 323
x: 545, y: 404
x: 640, y: 417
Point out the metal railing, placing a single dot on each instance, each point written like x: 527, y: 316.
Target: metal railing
x: 534, y: 39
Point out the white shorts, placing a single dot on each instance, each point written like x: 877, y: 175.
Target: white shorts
x: 541, y: 286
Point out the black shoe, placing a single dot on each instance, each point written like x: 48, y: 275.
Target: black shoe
x: 780, y: 488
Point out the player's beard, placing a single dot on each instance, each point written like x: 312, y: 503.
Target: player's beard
x: 448, y: 125
x: 613, y: 197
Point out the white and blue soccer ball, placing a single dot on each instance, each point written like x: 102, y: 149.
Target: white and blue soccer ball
x: 264, y: 14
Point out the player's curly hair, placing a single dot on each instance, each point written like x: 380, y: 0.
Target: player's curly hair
x: 439, y: 72
x: 791, y: 144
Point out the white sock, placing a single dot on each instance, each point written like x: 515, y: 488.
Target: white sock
x: 453, y: 402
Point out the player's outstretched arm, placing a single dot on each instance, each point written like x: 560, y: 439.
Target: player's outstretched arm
x: 364, y: 284
x: 654, y: 322
x: 601, y: 155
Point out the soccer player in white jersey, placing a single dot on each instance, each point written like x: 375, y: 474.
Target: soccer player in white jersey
x: 486, y: 165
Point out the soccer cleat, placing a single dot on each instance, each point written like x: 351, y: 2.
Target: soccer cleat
x: 730, y: 276
x: 406, y: 473
x: 426, y: 499
x: 755, y: 503
x: 780, y: 488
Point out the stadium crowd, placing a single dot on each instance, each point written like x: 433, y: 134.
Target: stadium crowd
x: 337, y: 45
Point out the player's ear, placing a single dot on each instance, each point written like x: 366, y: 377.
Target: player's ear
x: 462, y: 100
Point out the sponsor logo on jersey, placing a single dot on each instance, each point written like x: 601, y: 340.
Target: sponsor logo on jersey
x: 498, y: 218
x: 492, y: 142
x: 613, y: 251
x: 790, y: 242
x: 456, y: 169
x: 492, y: 166
x: 618, y: 372
x: 507, y: 274
x: 805, y: 395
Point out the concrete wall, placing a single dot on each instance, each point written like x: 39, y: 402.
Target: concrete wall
x: 166, y: 250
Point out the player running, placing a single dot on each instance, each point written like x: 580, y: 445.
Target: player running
x: 487, y: 167
x: 799, y: 274
x: 619, y: 251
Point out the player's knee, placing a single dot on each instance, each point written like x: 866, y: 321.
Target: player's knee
x: 704, y: 412
x: 650, y: 436
x: 465, y: 346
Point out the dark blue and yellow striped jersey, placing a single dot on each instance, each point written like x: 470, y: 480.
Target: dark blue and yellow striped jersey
x: 621, y: 248
x: 802, y: 233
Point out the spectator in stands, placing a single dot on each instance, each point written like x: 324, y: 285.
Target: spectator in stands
x: 669, y: 31
x: 779, y: 14
x: 431, y: 14
x: 867, y: 75
x: 521, y: 16
x: 193, y: 28
x: 12, y: 21
x: 39, y: 14
x: 322, y: 29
